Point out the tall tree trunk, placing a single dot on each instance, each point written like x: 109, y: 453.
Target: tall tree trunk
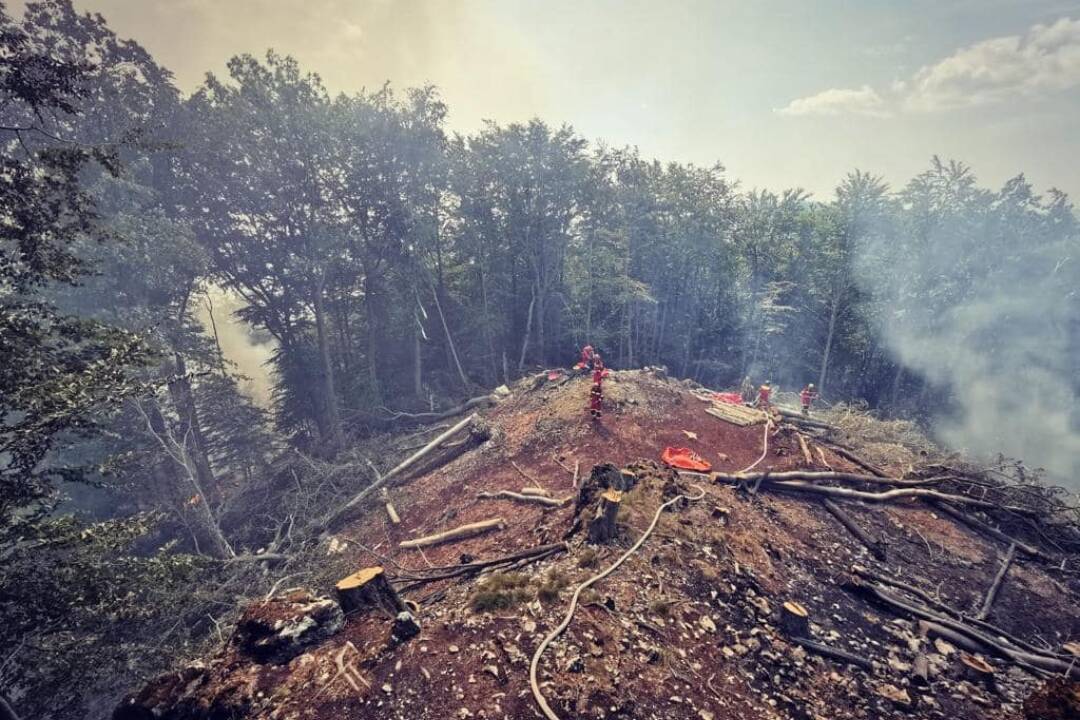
x: 183, y: 398
x: 528, y: 331
x: 898, y: 380
x: 834, y: 311
x: 450, y: 341
x: 329, y: 391
x: 418, y: 370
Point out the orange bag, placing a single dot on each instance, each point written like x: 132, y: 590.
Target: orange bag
x: 731, y: 398
x: 685, y: 459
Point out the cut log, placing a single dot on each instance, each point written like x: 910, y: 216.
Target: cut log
x: 521, y: 497
x: 368, y: 589
x: 991, y: 594
x: 458, y: 533
x: 805, y: 450
x: 390, y: 511
x: 876, y: 547
x: 934, y: 630
x: 534, y: 491
x: 737, y: 414
x: 978, y: 525
x: 482, y: 401
x: 794, y: 620
x: 404, y: 465
x: 796, y: 417
x: 602, y: 526
x: 821, y: 454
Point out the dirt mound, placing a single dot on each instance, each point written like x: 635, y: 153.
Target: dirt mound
x: 688, y: 627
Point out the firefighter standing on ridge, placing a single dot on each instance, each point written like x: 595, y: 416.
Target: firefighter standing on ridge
x: 596, y: 395
x: 764, y: 392
x: 806, y: 397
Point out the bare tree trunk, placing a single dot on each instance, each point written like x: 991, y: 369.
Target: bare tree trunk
x: 333, y: 416
x: 450, y: 341
x: 528, y: 331
x: 177, y: 451
x: 418, y: 370
x: 828, y: 343
x: 897, y: 380
x: 183, y: 398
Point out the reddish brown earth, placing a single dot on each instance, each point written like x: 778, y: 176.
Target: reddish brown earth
x: 684, y: 629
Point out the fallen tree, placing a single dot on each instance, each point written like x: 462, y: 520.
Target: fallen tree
x: 404, y: 465
x: 978, y: 525
x: 481, y: 401
x: 876, y: 547
x: 448, y: 571
x: 818, y: 476
x: 458, y: 533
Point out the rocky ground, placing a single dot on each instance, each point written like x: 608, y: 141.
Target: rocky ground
x: 686, y: 628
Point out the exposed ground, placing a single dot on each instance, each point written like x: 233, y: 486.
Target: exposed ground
x: 686, y: 628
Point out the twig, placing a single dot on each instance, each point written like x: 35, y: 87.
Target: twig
x: 991, y: 594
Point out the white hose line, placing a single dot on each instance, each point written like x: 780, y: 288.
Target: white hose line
x: 765, y: 450
x: 548, y: 712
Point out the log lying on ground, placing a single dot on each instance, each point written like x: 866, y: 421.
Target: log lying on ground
x: 798, y: 418
x: 522, y: 497
x: 368, y: 588
x: 602, y: 526
x: 991, y: 594
x: 876, y: 547
x: 978, y: 525
x: 400, y: 468
x: 1027, y: 660
x: 794, y: 620
x: 821, y: 454
x: 816, y: 476
x: 458, y: 533
x: 805, y: 450
x: 534, y: 491
x: 834, y: 653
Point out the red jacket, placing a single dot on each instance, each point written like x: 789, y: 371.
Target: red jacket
x: 807, y: 396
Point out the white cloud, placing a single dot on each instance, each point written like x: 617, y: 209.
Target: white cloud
x: 1045, y: 60
x: 1039, y: 63
x: 839, y: 101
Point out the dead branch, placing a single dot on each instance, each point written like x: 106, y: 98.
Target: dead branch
x: 978, y: 525
x: 942, y: 607
x: 458, y: 533
x: 991, y: 594
x: 816, y: 476
x: 821, y: 454
x: 876, y: 547
x: 834, y: 653
x: 525, y: 498
x: 848, y: 455
x: 1005, y: 651
x: 527, y: 476
x: 442, y: 573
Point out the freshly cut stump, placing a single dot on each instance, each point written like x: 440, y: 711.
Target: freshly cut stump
x: 794, y: 620
x: 366, y: 589
x: 602, y: 526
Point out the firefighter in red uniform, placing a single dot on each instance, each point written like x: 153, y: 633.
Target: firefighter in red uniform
x: 764, y: 392
x: 587, y: 353
x: 806, y: 397
x: 596, y: 395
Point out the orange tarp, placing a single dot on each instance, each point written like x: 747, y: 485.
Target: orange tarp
x: 685, y: 459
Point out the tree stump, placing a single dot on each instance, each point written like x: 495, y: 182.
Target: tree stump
x: 602, y: 526
x: 920, y: 670
x: 976, y: 669
x: 369, y: 588
x: 794, y: 620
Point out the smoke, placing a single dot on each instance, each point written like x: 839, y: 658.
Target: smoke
x: 249, y: 352
x: 988, y: 315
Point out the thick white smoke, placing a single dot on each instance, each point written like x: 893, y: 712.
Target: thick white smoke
x: 988, y: 314
x: 250, y: 354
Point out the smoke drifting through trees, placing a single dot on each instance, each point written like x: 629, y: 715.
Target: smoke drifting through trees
x: 216, y: 312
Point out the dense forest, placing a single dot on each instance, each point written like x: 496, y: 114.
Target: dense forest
x: 393, y: 266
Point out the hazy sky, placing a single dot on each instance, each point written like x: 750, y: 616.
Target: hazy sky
x: 782, y: 92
